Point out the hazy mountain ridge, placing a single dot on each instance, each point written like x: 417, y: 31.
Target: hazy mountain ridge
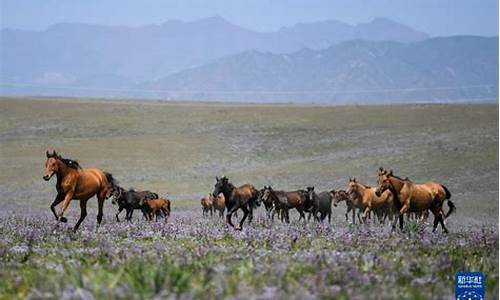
x: 212, y: 59
x: 360, y: 71
x: 69, y: 52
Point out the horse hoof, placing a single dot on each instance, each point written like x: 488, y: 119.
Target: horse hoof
x: 238, y: 228
x: 63, y: 219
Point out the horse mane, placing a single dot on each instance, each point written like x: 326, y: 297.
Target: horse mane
x: 399, y: 178
x: 70, y: 163
x: 364, y: 185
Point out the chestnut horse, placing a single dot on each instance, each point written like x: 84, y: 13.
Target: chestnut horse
x: 207, y: 203
x: 219, y: 204
x: 73, y: 182
x: 245, y: 197
x: 413, y: 197
x: 157, y: 206
x: 365, y: 198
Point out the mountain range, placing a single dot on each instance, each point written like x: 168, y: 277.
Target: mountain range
x: 212, y: 59
x: 444, y: 69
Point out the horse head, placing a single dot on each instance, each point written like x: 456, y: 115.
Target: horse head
x: 220, y: 185
x: 383, y: 181
x: 51, y: 165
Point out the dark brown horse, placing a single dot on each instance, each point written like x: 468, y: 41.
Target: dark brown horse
x: 244, y: 197
x: 284, y: 201
x: 73, y: 182
x: 413, y: 197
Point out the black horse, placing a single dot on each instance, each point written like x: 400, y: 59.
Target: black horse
x: 130, y: 200
x: 321, y: 203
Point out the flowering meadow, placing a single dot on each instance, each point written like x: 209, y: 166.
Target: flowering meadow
x: 177, y: 149
x: 192, y: 257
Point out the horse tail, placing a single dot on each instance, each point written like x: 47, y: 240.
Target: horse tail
x: 452, y: 207
x: 448, y: 194
x: 168, y: 207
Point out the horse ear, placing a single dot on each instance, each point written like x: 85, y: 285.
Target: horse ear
x: 217, y: 178
x: 390, y: 172
x: 354, y: 179
x: 47, y: 153
x: 312, y: 188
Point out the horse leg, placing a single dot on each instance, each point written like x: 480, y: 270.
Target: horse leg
x: 59, y: 198
x: 67, y: 200
x: 229, y: 214
x: 441, y: 220
x: 165, y: 212
x: 359, y: 216
x: 83, y: 214
x: 366, y: 214
x: 404, y: 210
x: 100, y: 205
x: 119, y: 211
x: 322, y: 217
x: 250, y: 213
x: 318, y: 217
x: 246, y: 212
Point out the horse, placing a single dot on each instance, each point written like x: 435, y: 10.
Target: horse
x: 74, y: 182
x: 130, y: 200
x: 284, y: 201
x: 219, y: 204
x: 366, y: 199
x: 244, y: 197
x: 158, y: 206
x: 207, y: 205
x: 268, y: 204
x: 413, y: 197
x: 341, y: 195
x: 322, y: 203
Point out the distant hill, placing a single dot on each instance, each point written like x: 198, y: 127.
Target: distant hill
x: 438, y: 69
x: 70, y: 54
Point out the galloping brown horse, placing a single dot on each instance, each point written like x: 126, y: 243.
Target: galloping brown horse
x: 244, y: 197
x: 73, y: 182
x: 365, y: 198
x: 412, y: 197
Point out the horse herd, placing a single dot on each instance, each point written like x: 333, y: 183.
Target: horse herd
x: 392, y: 198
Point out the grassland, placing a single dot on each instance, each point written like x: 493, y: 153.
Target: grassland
x: 177, y: 149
